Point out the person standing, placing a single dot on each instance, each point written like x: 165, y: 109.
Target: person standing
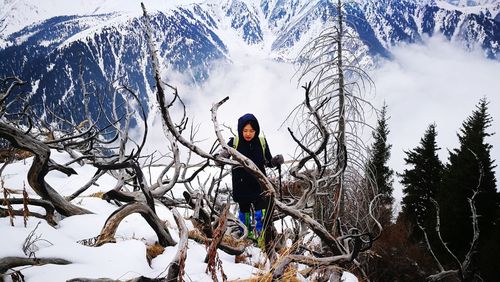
x: 247, y: 192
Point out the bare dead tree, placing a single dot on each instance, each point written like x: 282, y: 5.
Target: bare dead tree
x: 462, y: 270
x: 142, y: 198
x: 87, y: 143
x: 109, y: 229
x: 41, y: 165
x: 325, y: 145
x: 331, y: 155
x: 330, y: 158
x: 7, y: 263
x: 337, y: 96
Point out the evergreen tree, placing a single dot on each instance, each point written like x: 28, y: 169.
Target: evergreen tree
x: 465, y: 173
x: 377, y: 167
x: 421, y: 183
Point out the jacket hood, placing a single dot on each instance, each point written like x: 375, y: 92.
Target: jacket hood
x: 246, y: 119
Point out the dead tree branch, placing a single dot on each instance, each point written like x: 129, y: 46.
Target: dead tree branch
x: 40, y: 167
x: 176, y: 266
x: 48, y: 206
x: 108, y: 231
x: 7, y: 263
x: 462, y: 271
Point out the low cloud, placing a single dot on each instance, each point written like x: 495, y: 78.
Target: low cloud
x: 433, y: 82
x: 259, y: 86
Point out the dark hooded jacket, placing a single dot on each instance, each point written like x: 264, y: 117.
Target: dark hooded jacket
x: 245, y: 186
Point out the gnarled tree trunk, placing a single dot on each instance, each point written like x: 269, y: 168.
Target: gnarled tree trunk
x: 39, y: 168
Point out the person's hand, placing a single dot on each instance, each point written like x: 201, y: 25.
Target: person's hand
x: 277, y: 160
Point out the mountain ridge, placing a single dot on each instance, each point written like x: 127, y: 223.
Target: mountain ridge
x: 191, y: 37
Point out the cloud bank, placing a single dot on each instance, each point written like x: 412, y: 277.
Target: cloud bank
x: 434, y: 82
x: 254, y: 85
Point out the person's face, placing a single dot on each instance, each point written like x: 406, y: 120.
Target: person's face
x: 248, y: 132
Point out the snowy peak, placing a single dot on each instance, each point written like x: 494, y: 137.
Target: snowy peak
x: 280, y: 12
x: 46, y: 45
x: 283, y: 25
x: 17, y: 14
x: 468, y: 3
x: 109, y: 49
x: 244, y: 18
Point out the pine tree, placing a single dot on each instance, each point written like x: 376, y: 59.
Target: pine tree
x: 377, y: 166
x: 421, y: 183
x: 462, y: 176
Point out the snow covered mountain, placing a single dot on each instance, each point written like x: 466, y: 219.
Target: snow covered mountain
x: 466, y: 3
x: 46, y: 41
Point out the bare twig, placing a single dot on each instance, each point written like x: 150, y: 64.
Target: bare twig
x: 30, y: 243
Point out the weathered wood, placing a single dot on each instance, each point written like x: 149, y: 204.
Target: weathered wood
x: 445, y: 274
x: 137, y: 279
x: 317, y: 228
x: 202, y: 217
x: 167, y: 120
x: 218, y: 235
x: 48, y: 206
x: 307, y: 260
x: 7, y: 263
x: 108, y: 231
x: 176, y: 266
x: 3, y: 96
x: 118, y: 196
x: 139, y: 177
x: 231, y: 250
x: 39, y: 169
x: 82, y: 189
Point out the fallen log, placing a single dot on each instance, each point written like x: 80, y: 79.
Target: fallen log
x: 7, y: 263
x: 108, y: 231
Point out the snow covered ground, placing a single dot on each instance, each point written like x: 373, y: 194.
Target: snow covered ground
x: 431, y: 82
x: 122, y: 260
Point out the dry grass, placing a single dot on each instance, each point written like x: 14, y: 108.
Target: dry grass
x: 268, y: 277
x: 290, y: 275
x: 291, y: 272
x: 26, y: 211
x: 13, y: 154
x: 6, y: 195
x: 97, y: 195
x: 153, y: 251
x: 243, y: 258
x: 233, y: 242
